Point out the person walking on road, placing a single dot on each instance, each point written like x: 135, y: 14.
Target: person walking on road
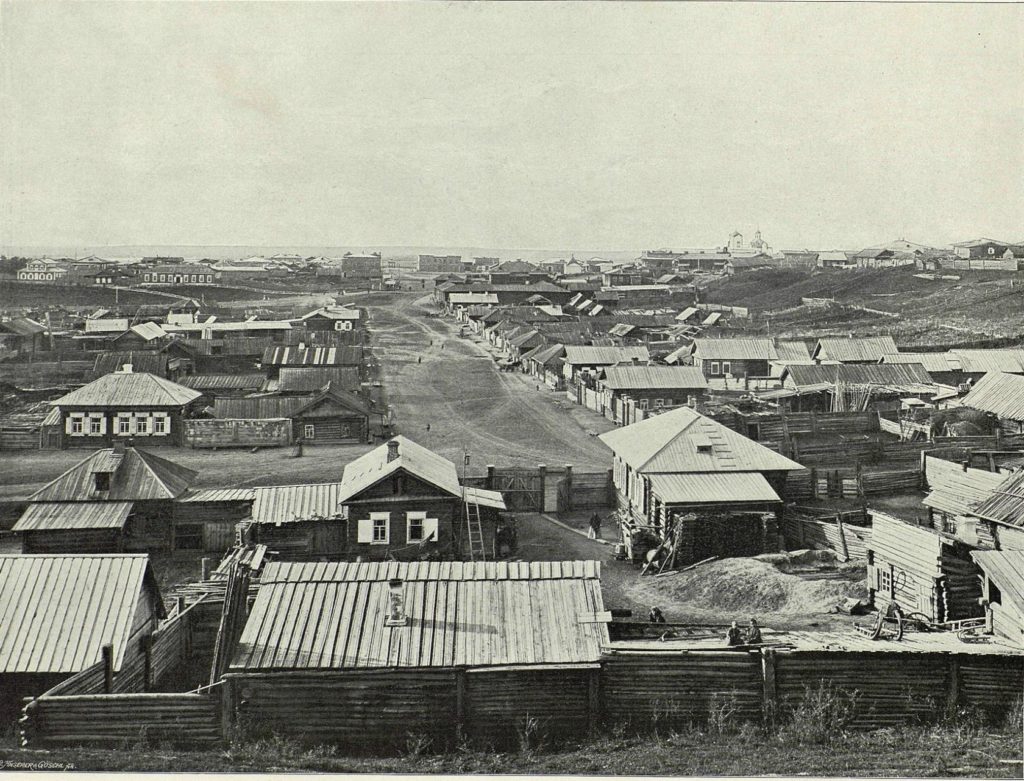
x: 595, y: 527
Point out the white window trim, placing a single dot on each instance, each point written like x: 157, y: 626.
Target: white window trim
x: 726, y: 367
x: 386, y: 517
x: 715, y: 367
x: 308, y: 431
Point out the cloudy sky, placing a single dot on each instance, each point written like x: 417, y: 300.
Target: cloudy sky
x: 514, y: 125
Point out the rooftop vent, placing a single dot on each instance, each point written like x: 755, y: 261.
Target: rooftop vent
x: 396, y: 603
x: 704, y: 446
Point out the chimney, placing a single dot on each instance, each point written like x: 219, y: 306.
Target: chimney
x: 118, y: 447
x: 396, y: 603
x: 126, y: 368
x: 392, y: 450
x: 636, y: 360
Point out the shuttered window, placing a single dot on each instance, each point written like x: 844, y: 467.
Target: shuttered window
x: 420, y: 528
x: 374, y: 530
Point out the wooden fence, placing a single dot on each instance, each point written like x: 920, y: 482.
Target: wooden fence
x: 225, y: 432
x: 848, y: 540
x: 547, y: 489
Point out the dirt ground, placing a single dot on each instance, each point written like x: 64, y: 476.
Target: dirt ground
x: 433, y: 377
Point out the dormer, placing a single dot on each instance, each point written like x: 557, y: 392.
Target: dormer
x: 704, y: 446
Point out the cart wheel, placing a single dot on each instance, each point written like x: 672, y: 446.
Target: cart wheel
x: 920, y: 622
x: 876, y: 630
x: 897, y: 615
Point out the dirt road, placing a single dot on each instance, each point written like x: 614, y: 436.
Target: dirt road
x: 431, y: 376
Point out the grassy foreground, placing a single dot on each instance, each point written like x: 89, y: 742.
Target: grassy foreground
x: 966, y: 751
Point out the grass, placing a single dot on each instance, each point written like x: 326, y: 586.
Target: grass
x: 715, y: 750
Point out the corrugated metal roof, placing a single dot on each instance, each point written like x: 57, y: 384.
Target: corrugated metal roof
x: 128, y: 390
x: 136, y: 476
x: 862, y: 348
x: 735, y: 349
x: 57, y: 612
x: 290, y: 503
x: 331, y: 615
x: 347, y: 355
x: 219, y: 495
x: 911, y: 377
x: 259, y: 407
x: 792, y: 351
x: 1009, y: 360
x: 628, y: 377
x: 52, y: 516
x: 668, y: 443
x: 713, y: 488
x: 1006, y: 569
x: 224, y: 381
x: 589, y: 355
x: 313, y: 379
x: 956, y: 491
x: 999, y: 393
x: 1005, y: 502
x: 370, y: 468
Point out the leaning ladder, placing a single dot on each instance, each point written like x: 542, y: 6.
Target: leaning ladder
x: 475, y: 530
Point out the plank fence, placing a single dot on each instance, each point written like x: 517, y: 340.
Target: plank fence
x: 847, y: 540
x: 548, y: 489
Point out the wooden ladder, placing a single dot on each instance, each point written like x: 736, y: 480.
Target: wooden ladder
x: 477, y: 551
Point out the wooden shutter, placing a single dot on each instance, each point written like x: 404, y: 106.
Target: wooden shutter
x: 365, y: 530
x: 430, y: 529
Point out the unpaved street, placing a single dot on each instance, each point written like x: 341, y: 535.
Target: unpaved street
x: 498, y: 417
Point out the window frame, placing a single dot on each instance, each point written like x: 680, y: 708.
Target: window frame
x: 716, y: 368
x: 309, y: 431
x: 726, y: 368
x: 385, y: 520
x: 418, y: 517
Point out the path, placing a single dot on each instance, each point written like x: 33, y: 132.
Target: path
x: 498, y: 417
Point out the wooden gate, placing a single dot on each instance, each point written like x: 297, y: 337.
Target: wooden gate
x: 522, y: 489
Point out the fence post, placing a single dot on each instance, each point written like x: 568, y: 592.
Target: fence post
x: 204, y: 568
x: 610, y: 484
x: 770, y: 694
x: 108, y: 668
x: 842, y: 537
x: 593, y: 700
x: 542, y: 472
x: 568, y: 487
x: 227, y: 708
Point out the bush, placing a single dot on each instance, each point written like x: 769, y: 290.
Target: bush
x: 824, y: 714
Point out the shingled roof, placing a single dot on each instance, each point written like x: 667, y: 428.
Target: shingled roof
x: 135, y: 475
x: 128, y: 389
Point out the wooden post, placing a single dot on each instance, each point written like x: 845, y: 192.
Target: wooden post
x: 227, y: 708
x: 568, y: 487
x: 814, y: 483
x: 490, y: 477
x: 204, y: 568
x: 542, y: 472
x: 108, y: 668
x: 147, y: 654
x: 179, y: 603
x: 593, y: 700
x: 612, y: 499
x: 842, y: 537
x: 770, y: 695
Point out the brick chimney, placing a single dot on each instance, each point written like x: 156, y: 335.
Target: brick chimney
x: 126, y: 368
x: 392, y: 450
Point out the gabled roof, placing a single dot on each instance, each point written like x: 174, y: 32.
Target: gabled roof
x: 136, y: 475
x: 307, y: 380
x: 258, y: 407
x: 999, y: 393
x: 58, y: 611
x: 957, y: 491
x: 656, y: 377
x: 862, y: 348
x: 668, y: 443
x: 516, y: 267
x: 142, y: 361
x: 224, y: 381
x: 909, y: 376
x: 792, y: 351
x: 148, y: 331
x: 128, y: 389
x: 1009, y: 360
x: 461, y: 614
x: 735, y: 349
x: 589, y: 355
x: 22, y: 326
x: 546, y: 354
x: 714, y: 488
x: 334, y: 313
x: 370, y: 468
x: 932, y: 362
x: 1006, y: 569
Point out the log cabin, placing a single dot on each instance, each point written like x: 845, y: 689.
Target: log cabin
x: 368, y: 654
x: 1002, y: 574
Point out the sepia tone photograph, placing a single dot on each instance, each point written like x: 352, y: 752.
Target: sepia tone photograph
x: 479, y: 388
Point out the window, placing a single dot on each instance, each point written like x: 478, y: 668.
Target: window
x: 95, y: 425
x: 101, y: 480
x: 142, y: 425
x: 726, y: 367
x: 160, y: 425
x: 375, y: 530
x: 659, y: 402
x: 123, y: 425
x: 715, y: 368
x: 414, y: 521
x: 76, y: 426
x: 309, y: 431
x: 643, y: 403
x: 885, y: 581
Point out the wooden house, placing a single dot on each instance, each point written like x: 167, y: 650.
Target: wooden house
x: 141, y: 336
x: 143, y: 361
x: 300, y: 522
x: 545, y: 362
x: 333, y: 318
x: 366, y: 654
x: 21, y: 336
x: 651, y: 387
x: 853, y: 349
x: 206, y: 519
x: 330, y: 416
x: 124, y: 405
x: 840, y: 387
x: 214, y: 386
x: 1002, y: 573
x: 404, y: 501
x: 589, y: 360
x: 59, y: 611
x: 724, y: 358
x: 513, y: 272
x: 1002, y: 396
x: 999, y: 518
x: 118, y: 498
x: 685, y: 474
x: 921, y: 569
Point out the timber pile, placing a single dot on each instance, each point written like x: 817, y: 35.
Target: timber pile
x: 110, y: 719
x: 960, y: 589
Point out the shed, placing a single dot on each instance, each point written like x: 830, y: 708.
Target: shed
x: 863, y: 349
x: 1001, y: 395
x: 299, y: 522
x: 73, y: 527
x: 1003, y: 591
x: 650, y: 387
x: 718, y: 358
x: 422, y: 648
x: 58, y: 611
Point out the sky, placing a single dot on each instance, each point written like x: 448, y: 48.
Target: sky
x: 510, y: 125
